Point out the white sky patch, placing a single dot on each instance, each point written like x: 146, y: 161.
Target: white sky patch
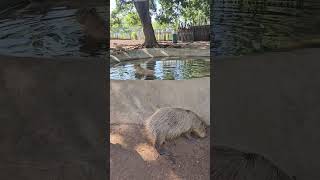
x: 112, y: 5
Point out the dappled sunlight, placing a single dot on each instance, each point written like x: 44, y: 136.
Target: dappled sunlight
x: 147, y: 152
x: 173, y: 176
x: 146, y: 51
x: 128, y: 133
x: 117, y: 139
x: 126, y: 54
x: 115, y: 58
x: 137, y: 154
x: 164, y: 53
x: 127, y: 164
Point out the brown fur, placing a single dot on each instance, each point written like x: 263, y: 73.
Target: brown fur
x: 169, y: 123
x: 93, y: 24
x: 142, y: 71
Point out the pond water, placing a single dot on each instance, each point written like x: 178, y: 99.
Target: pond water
x: 54, y: 33
x: 247, y: 26
x: 161, y: 69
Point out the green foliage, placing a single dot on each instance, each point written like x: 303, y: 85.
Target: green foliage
x: 132, y: 19
x: 187, y: 11
x: 167, y: 14
x: 158, y: 25
x: 134, y: 36
x: 124, y: 18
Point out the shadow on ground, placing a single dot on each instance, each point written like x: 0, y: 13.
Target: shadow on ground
x: 131, y: 155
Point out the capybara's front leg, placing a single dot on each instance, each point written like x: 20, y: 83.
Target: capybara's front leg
x: 190, y: 138
x: 159, y: 146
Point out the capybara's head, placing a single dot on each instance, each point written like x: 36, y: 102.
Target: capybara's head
x: 83, y: 14
x: 199, y: 129
x: 137, y: 66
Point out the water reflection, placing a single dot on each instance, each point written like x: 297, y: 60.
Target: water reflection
x: 55, y: 33
x: 162, y: 69
x: 246, y: 26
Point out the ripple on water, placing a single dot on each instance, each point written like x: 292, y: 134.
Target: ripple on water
x: 56, y: 33
x: 246, y: 26
x: 162, y: 69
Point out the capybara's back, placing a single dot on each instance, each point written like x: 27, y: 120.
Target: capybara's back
x: 168, y: 123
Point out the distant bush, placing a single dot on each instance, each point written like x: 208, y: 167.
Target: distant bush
x: 134, y: 36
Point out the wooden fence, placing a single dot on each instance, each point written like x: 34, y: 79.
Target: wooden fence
x: 194, y: 33
x: 161, y: 35
x: 262, y: 3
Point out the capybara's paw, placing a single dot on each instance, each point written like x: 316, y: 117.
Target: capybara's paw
x: 162, y: 152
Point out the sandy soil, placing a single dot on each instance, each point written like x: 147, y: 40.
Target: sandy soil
x: 134, y: 44
x: 132, y: 157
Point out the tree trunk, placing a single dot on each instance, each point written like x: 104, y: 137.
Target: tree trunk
x: 142, y: 7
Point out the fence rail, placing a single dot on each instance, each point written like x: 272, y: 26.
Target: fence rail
x: 161, y: 35
x: 193, y: 33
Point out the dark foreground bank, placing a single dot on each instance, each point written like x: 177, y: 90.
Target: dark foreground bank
x: 270, y: 104
x: 52, y: 116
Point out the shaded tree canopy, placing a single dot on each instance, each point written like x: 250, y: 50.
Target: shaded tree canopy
x: 166, y: 13
x: 186, y: 11
x: 124, y: 16
x: 169, y: 12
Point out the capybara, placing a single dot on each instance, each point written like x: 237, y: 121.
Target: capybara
x: 168, y: 123
x: 93, y: 24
